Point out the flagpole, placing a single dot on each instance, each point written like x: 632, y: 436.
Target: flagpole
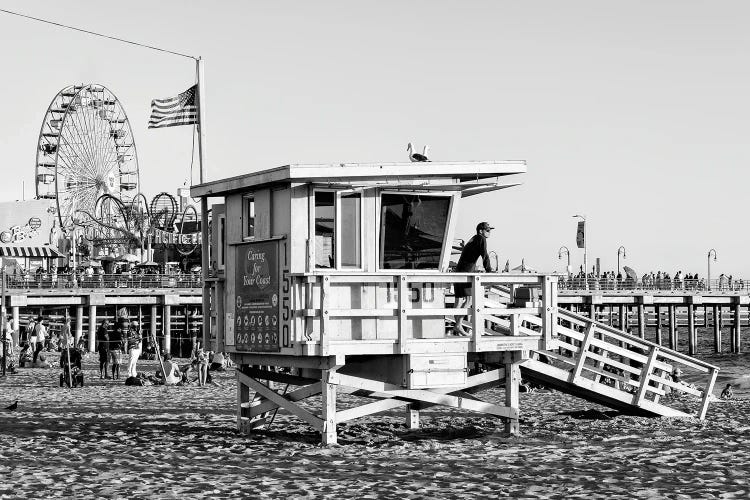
x: 204, y: 204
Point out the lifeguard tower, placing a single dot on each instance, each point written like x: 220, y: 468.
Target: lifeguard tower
x: 329, y: 279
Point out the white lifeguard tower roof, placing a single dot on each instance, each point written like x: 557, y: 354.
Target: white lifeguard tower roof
x: 472, y: 177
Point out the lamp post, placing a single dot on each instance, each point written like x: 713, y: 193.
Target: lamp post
x: 620, y: 250
x: 709, y: 266
x: 560, y: 254
x: 585, y: 261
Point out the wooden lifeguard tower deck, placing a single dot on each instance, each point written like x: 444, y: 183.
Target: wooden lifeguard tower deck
x: 335, y: 279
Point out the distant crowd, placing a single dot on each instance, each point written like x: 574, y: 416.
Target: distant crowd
x: 118, y: 274
x: 113, y: 341
x: 661, y: 280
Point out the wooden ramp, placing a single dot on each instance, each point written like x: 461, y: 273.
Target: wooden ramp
x: 610, y: 367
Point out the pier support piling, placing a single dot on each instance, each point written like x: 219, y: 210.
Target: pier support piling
x: 641, y: 321
x: 152, y: 322
x: 167, y: 326
x: 692, y: 335
x: 672, y: 328
x: 737, y: 326
x: 717, y: 329
x: 79, y: 324
x: 92, y: 328
x: 657, y: 311
x: 16, y: 322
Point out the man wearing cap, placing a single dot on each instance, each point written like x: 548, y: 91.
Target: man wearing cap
x: 475, y: 248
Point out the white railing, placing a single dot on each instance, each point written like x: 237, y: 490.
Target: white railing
x: 321, y: 299
x: 627, y: 368
x: 61, y: 281
x: 576, y: 284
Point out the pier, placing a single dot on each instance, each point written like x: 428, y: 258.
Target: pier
x: 668, y: 317
x: 167, y: 307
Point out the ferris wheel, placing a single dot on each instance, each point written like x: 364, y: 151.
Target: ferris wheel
x: 86, y: 150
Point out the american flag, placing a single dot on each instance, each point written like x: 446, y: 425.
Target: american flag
x: 173, y: 111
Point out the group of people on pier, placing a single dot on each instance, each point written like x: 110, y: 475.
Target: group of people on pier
x: 661, y: 280
x: 96, y: 277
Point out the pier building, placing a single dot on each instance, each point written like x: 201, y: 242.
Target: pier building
x: 335, y: 279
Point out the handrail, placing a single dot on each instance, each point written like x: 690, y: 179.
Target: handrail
x: 700, y: 286
x: 68, y: 281
x: 620, y: 361
x: 313, y: 292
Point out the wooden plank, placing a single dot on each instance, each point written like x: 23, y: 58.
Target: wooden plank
x: 403, y: 291
x: 645, y: 376
x: 297, y: 395
x: 243, y: 397
x: 436, y: 312
x: 549, y: 310
x: 281, y: 401
x: 369, y: 409
x: 512, y: 382
x: 328, y: 400
x: 510, y: 311
x: 707, y: 394
x: 582, y: 354
x: 325, y: 322
x: 283, y: 378
x: 318, y: 362
x: 365, y: 313
x: 477, y: 304
x: 423, y: 395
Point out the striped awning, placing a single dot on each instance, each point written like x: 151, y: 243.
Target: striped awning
x: 39, y: 252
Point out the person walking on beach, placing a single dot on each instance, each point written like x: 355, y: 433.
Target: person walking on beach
x: 472, y: 251
x: 118, y: 337
x: 31, y: 333
x: 40, y: 332
x: 66, y: 338
x: 135, y: 341
x: 102, y: 338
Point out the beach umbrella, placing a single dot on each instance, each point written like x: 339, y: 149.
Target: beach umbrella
x: 630, y: 273
x: 106, y: 258
x: 149, y: 263
x: 90, y: 263
x: 524, y: 268
x: 128, y: 257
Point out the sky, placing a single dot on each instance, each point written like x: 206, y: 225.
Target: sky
x: 633, y: 113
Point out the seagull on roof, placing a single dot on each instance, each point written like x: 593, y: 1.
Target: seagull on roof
x: 416, y: 157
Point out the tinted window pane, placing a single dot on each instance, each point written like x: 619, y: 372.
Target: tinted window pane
x: 351, y: 231
x: 324, y: 230
x: 250, y: 217
x: 412, y: 229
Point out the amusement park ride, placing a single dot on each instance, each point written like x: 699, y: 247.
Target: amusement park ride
x: 87, y: 162
x: 335, y: 279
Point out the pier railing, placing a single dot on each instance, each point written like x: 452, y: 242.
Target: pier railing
x: 63, y: 281
x: 576, y: 284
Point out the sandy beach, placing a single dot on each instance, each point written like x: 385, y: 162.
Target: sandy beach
x: 112, y: 440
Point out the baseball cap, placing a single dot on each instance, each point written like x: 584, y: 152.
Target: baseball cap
x: 484, y: 226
